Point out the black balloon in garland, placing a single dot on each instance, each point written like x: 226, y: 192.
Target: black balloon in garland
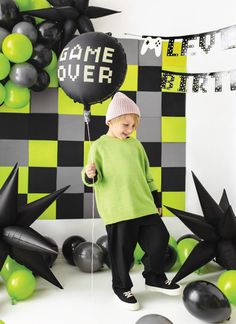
x: 217, y: 229
x: 17, y: 238
x: 73, y: 15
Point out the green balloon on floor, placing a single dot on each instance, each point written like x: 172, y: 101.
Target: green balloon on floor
x: 20, y: 285
x: 227, y: 284
x: 9, y: 267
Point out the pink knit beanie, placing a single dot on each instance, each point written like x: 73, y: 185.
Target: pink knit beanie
x: 121, y: 105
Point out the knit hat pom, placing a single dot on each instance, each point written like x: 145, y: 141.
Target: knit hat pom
x: 121, y: 105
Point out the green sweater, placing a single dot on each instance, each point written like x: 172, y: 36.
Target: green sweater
x: 124, y: 184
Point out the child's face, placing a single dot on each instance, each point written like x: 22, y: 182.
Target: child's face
x: 122, y: 127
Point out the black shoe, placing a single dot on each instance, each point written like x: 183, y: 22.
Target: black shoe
x: 126, y: 299
x: 165, y: 287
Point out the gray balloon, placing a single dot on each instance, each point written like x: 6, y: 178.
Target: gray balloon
x: 153, y: 319
x: 24, y: 74
x: 27, y: 29
x: 3, y: 34
x: 83, y: 255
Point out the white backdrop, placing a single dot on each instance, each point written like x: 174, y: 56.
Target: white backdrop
x: 211, y: 117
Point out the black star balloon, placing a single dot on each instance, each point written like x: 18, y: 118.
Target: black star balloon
x: 72, y: 15
x: 217, y: 230
x: 17, y: 238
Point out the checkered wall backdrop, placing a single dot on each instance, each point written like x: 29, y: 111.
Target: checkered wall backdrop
x: 49, y: 141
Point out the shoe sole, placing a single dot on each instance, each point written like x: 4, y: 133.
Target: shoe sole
x: 169, y: 292
x: 128, y: 306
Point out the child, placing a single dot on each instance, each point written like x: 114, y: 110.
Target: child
x: 128, y: 203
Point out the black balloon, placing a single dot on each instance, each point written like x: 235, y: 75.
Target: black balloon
x: 49, y: 32
x: 9, y: 14
x: 29, y: 19
x: 27, y: 29
x: 153, y: 319
x: 42, y: 82
x: 206, y: 302
x: 69, y: 246
x: 92, y: 67
x: 50, y: 258
x: 24, y: 74
x: 41, y: 56
x: 88, y: 257
x: 170, y: 257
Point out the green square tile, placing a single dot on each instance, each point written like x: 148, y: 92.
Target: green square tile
x: 4, y: 173
x: 173, y: 63
x: 67, y: 106
x: 173, y: 129
x: 53, y: 79
x: 131, y: 79
x: 43, y: 153
x: 22, y: 177
x: 174, y: 200
x: 23, y: 110
x: 50, y: 212
x: 86, y: 151
x: 156, y: 173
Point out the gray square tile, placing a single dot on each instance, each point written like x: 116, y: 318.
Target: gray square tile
x: 149, y: 103
x: 45, y: 102
x: 131, y: 50
x: 149, y: 58
x: 88, y: 206
x: 71, y: 127
x: 70, y: 176
x: 13, y: 151
x: 149, y: 130
x: 173, y: 155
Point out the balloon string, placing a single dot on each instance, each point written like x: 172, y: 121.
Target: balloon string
x: 93, y: 214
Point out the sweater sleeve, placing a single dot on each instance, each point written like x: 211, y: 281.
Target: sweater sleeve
x: 93, y: 157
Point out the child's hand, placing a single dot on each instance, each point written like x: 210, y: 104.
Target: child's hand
x: 159, y: 210
x: 90, y: 170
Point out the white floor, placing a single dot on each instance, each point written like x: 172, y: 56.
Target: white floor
x: 89, y: 300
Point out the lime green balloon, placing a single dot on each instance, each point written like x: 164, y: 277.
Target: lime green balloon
x: 1, y: 322
x: 172, y: 242
x: 16, y: 96
x: 4, y: 66
x: 138, y: 254
x: 10, y: 266
x: 21, y: 285
x: 17, y: 48
x: 23, y: 4
x: 227, y: 284
x: 185, y: 247
x: 2, y: 93
x: 53, y: 64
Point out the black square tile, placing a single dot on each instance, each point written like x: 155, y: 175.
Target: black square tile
x: 14, y: 126
x: 153, y: 151
x: 70, y: 153
x: 97, y: 127
x: 149, y: 78
x: 42, y: 180
x: 131, y: 94
x: 43, y: 126
x: 173, y: 179
x: 70, y: 206
x: 173, y: 104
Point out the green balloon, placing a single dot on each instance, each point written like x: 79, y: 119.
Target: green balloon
x: 138, y: 254
x: 10, y: 266
x: 1, y: 322
x: 21, y: 285
x: 4, y: 66
x: 173, y: 242
x: 227, y: 284
x: 16, y: 96
x: 185, y: 247
x: 53, y: 64
x: 2, y: 93
x: 17, y: 48
x: 23, y: 4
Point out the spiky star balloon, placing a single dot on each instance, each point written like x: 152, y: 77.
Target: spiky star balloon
x: 17, y: 238
x: 217, y: 230
x: 73, y: 15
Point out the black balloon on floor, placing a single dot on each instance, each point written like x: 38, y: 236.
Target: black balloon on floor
x: 153, y: 319
x: 89, y: 257
x: 50, y: 258
x: 69, y: 246
x: 170, y: 257
x: 206, y: 302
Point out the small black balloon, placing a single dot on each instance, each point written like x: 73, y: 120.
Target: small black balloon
x: 153, y: 319
x: 170, y: 257
x: 41, y: 56
x: 206, y: 302
x: 92, y: 67
x: 49, y: 32
x: 83, y: 255
x: 69, y: 245
x: 9, y: 14
x: 42, y: 82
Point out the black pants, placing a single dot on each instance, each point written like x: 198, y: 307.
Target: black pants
x: 150, y: 232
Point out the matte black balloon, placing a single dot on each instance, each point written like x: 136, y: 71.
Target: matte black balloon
x: 27, y: 29
x: 69, y: 246
x: 170, y: 257
x: 9, y: 14
x: 42, y: 81
x: 24, y: 75
x: 50, y: 258
x: 153, y: 319
x: 193, y: 236
x: 49, y: 32
x: 83, y: 255
x: 3, y: 34
x: 41, y: 56
x: 84, y: 24
x: 92, y: 67
x: 206, y: 302
x: 61, y: 3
